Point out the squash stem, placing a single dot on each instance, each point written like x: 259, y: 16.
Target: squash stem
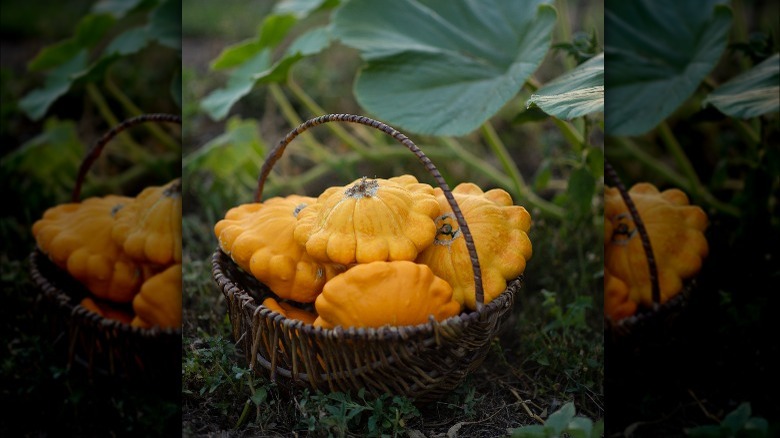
x: 339, y: 131
x: 570, y: 133
x: 135, y: 152
x: 243, y: 415
x: 511, y: 169
x: 480, y: 165
x: 747, y: 132
x: 134, y: 110
x: 674, y: 147
x: 315, y: 148
x: 323, y: 168
x: 656, y: 166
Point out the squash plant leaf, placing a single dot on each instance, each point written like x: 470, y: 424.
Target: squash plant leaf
x: 575, y: 93
x: 302, y: 8
x: 117, y: 8
x: 271, y: 32
x: 88, y: 32
x: 559, y: 420
x: 443, y: 67
x: 128, y: 42
x: 736, y: 419
x: 218, y: 103
x: 165, y: 24
x: 751, y: 94
x: 658, y: 53
x: 231, y: 156
x: 48, y: 162
x: 81, y: 58
x: 252, y: 60
x: 58, y: 82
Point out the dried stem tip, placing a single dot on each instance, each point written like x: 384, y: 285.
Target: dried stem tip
x: 365, y: 188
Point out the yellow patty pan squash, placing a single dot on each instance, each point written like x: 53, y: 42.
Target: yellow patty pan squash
x: 676, y: 232
x: 258, y: 237
x: 158, y: 304
x: 289, y: 311
x: 77, y: 238
x: 369, y: 220
x: 149, y: 229
x: 106, y: 310
x: 500, y: 233
x: 384, y: 293
x: 617, y: 301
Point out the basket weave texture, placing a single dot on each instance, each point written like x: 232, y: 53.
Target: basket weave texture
x: 422, y: 362
x: 104, y: 347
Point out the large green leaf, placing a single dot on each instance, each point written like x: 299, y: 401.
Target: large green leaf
x: 234, y: 156
x: 657, y: 53
x: 559, y: 420
x: 218, y: 103
x: 48, y: 162
x: 443, y: 66
x: 128, y: 42
x: 258, y: 70
x: 117, y: 8
x: 68, y: 61
x: 302, y: 8
x: 575, y: 93
x: 58, y: 82
x: 271, y: 32
x: 89, y: 31
x: 751, y: 94
x: 165, y: 24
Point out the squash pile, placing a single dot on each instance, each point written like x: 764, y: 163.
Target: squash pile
x: 676, y: 231
x: 377, y: 251
x: 125, y: 251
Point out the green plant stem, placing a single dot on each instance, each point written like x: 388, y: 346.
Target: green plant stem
x: 659, y: 168
x: 495, y: 143
x: 323, y: 168
x: 674, y: 147
x: 564, y: 30
x: 310, y: 104
x: 243, y: 415
x: 136, y: 153
x: 478, y: 164
x: 134, y: 110
x: 747, y: 132
x: 570, y: 133
x: 315, y: 148
x: 662, y: 170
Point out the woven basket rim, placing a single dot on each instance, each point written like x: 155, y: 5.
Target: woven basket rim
x: 387, y: 332
x: 53, y: 290
x: 625, y: 327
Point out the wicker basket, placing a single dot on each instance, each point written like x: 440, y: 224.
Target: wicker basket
x: 648, y: 325
x: 422, y: 362
x: 104, y: 347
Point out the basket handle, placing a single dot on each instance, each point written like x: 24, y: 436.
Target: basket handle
x: 278, y: 150
x: 640, y: 225
x: 97, y: 148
